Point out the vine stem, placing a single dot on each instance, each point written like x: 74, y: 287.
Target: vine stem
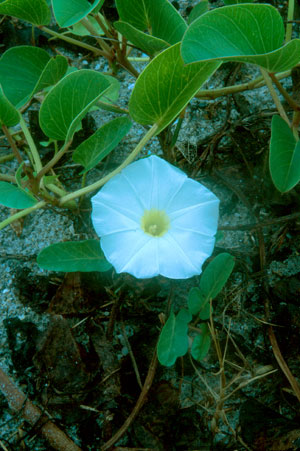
x: 91, y: 48
x: 21, y: 213
x: 275, y: 97
x: 106, y: 49
x: 290, y: 17
x: 54, y: 160
x: 150, y: 133
x: 32, y: 146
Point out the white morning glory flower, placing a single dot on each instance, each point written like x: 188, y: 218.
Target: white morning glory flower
x: 153, y: 219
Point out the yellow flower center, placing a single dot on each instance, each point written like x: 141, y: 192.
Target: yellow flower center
x: 155, y: 222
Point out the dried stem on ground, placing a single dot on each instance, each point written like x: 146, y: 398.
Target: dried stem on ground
x: 19, y: 403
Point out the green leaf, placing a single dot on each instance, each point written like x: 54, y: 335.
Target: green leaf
x: 25, y: 70
x: 79, y: 30
x: 166, y: 86
x: 284, y: 159
x: 104, y: 140
x: 149, y: 44
x: 247, y: 33
x: 235, y: 2
x: 212, y: 281
x: 36, y: 12
x: 173, y: 341
x: 198, y: 10
x: 69, y: 12
x: 9, y: 116
x: 201, y: 343
x: 13, y: 197
x: 69, y: 101
x: 158, y: 17
x: 71, y: 256
x: 111, y: 95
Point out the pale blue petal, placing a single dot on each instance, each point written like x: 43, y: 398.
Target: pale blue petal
x: 191, y: 193
x: 182, y: 254
x: 201, y: 219
x: 132, y: 252
x: 107, y: 220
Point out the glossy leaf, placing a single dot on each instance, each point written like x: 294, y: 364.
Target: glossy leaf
x: 198, y: 10
x: 9, y: 116
x: 71, y: 256
x: 13, y: 197
x: 284, y: 156
x: 158, y: 17
x: 69, y: 12
x: 173, y: 341
x: 166, y: 86
x: 101, y: 143
x: 244, y: 32
x: 36, y: 12
x: 201, y: 343
x: 68, y: 102
x: 25, y: 70
x: 79, y: 30
x: 146, y: 42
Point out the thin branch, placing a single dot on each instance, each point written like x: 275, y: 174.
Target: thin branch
x: 19, y: 403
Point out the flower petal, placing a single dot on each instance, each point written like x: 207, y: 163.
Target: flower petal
x: 132, y: 252
x: 107, y: 220
x: 191, y: 193
x: 183, y: 254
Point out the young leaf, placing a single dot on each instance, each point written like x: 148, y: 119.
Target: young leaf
x: 9, y: 116
x: 68, y: 102
x: 201, y: 343
x: 69, y: 12
x: 36, y: 12
x: 25, y: 69
x: 216, y: 275
x: 159, y: 17
x: 104, y: 140
x: 71, y: 256
x: 13, y: 197
x: 198, y: 304
x: 173, y: 341
x: 284, y: 159
x: 244, y: 32
x: 166, y: 86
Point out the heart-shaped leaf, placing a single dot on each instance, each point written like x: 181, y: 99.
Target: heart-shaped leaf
x: 25, y: 70
x: 201, y: 343
x: 284, y: 156
x: 36, y: 12
x: 198, y: 304
x: 104, y: 140
x: 158, y: 17
x: 13, y: 197
x: 244, y: 32
x: 71, y: 256
x: 166, y: 86
x: 69, y: 12
x: 173, y: 341
x: 68, y: 102
x: 9, y: 116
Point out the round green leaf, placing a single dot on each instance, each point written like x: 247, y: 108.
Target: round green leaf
x: 244, y: 32
x: 173, y: 341
x: 36, y: 12
x: 71, y: 256
x: 102, y: 142
x: 9, y: 116
x: 25, y: 70
x: 69, y: 101
x: 69, y: 12
x: 166, y: 86
x: 284, y: 159
x: 13, y: 197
